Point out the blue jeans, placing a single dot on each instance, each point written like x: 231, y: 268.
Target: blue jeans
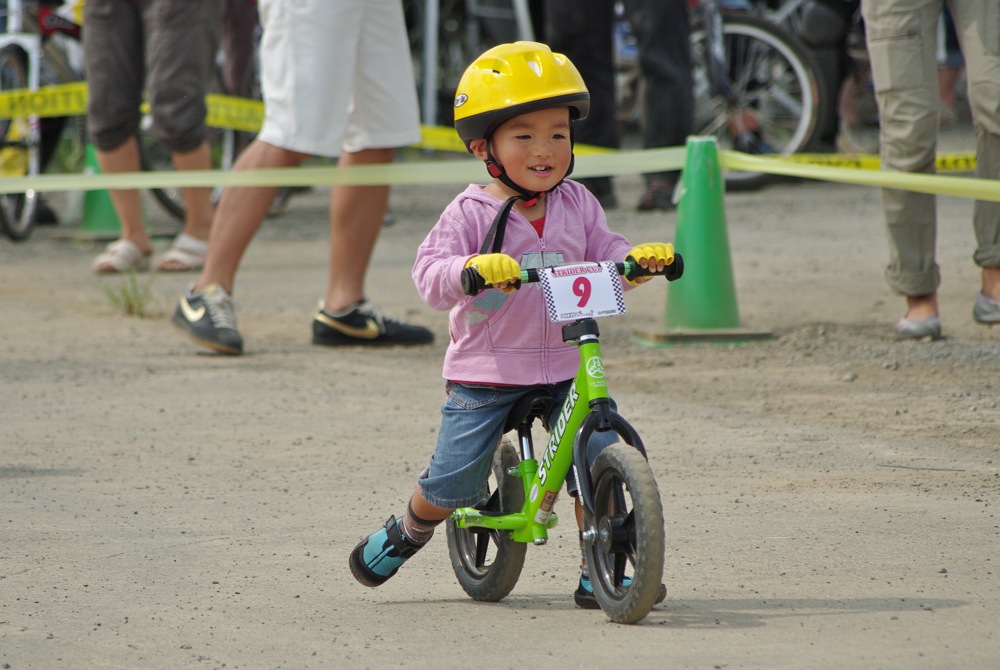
x: 472, y: 420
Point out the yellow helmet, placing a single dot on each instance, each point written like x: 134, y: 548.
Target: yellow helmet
x: 513, y: 79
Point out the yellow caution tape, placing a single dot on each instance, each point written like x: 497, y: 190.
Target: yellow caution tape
x: 224, y: 111
x: 468, y: 170
x: 229, y: 111
x: 246, y: 115
x: 59, y: 100
x: 964, y: 187
x: 958, y: 162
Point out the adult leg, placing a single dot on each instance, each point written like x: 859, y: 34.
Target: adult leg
x: 356, y: 216
x: 902, y: 41
x: 206, y: 313
x: 239, y: 21
x: 585, y: 37
x: 127, y: 202
x: 382, y: 114
x: 113, y: 61
x: 198, y: 207
x: 978, y: 29
x: 240, y: 214
x: 181, y: 47
x: 664, y: 39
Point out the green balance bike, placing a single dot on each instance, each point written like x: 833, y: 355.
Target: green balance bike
x: 623, y: 529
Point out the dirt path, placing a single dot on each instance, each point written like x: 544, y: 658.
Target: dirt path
x: 830, y: 494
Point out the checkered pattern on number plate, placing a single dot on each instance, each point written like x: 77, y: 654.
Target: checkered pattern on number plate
x: 619, y: 294
x: 552, y: 309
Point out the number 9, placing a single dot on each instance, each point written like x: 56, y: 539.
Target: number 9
x: 582, y: 289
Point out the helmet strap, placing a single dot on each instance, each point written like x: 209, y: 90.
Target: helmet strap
x: 497, y: 171
x: 494, y: 238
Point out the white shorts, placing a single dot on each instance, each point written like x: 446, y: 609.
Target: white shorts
x: 336, y: 75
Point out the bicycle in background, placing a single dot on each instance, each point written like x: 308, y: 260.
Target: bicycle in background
x: 757, y: 88
x: 41, y: 44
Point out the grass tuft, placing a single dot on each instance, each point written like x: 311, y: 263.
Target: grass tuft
x: 130, y: 296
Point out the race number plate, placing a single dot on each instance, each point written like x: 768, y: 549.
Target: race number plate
x: 582, y: 290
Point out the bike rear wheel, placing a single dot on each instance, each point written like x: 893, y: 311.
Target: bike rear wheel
x: 488, y: 562
x: 628, y: 537
x: 19, y: 150
x: 776, y: 92
x: 154, y: 156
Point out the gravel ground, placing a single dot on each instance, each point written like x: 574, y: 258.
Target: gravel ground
x: 830, y: 494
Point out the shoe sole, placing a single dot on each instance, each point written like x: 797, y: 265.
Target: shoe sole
x: 361, y: 571
x: 985, y: 311
x: 589, y: 601
x: 355, y: 342
x: 336, y: 339
x: 918, y: 331
x: 207, y: 344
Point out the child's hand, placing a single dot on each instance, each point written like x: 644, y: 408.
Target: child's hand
x: 653, y: 256
x: 499, y: 270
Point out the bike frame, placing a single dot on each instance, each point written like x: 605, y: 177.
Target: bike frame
x: 587, y: 409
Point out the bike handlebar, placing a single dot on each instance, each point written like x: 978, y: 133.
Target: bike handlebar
x: 473, y: 282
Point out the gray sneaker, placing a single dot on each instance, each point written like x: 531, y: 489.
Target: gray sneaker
x: 986, y: 310
x: 208, y: 319
x: 918, y: 329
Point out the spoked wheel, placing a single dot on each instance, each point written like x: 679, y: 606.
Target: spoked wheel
x: 488, y: 562
x: 775, y: 102
x: 156, y: 157
x: 629, y: 537
x: 19, y: 151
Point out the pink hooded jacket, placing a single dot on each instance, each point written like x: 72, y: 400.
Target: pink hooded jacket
x: 499, y: 338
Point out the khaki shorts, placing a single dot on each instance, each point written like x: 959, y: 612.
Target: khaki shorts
x: 336, y: 75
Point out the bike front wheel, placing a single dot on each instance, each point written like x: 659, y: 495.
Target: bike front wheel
x: 488, y: 562
x: 625, y: 537
x: 774, y: 104
x: 19, y: 150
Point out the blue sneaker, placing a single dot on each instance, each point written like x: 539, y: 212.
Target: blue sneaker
x: 586, y: 599
x: 378, y: 556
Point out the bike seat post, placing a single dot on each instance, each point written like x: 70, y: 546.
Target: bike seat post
x: 524, y: 441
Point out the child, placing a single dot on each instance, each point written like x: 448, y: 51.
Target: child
x: 513, y: 109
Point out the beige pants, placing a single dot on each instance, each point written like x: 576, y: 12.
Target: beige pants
x: 902, y: 43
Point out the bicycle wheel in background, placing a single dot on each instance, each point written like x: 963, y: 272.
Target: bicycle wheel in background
x: 629, y: 539
x: 225, y: 143
x: 19, y: 150
x: 156, y: 157
x: 488, y: 562
x: 774, y: 104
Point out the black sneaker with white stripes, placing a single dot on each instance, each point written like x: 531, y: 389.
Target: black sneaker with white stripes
x: 208, y: 319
